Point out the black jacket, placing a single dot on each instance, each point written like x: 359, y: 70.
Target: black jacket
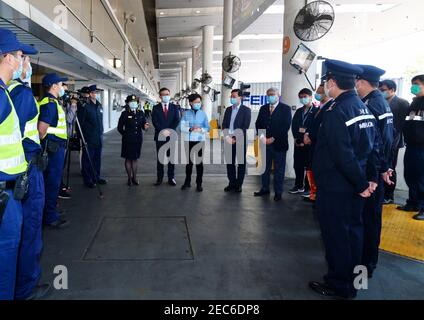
x: 90, y: 116
x: 413, y: 128
x: 302, y: 121
x: 276, y: 125
x: 242, y: 121
x: 399, y: 109
x: 131, y: 125
x: 160, y: 122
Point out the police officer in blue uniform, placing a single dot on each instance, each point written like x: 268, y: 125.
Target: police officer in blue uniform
x: 13, y: 165
x: 53, y: 134
x: 90, y: 117
x: 367, y: 87
x: 29, y: 269
x: 344, y: 158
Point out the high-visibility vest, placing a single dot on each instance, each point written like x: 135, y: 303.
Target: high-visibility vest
x: 60, y: 130
x: 31, y: 130
x: 12, y: 155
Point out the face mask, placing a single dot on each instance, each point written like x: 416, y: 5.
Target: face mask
x: 166, y: 99
x: 197, y: 106
x: 272, y: 99
x: 233, y: 101
x: 17, y: 74
x: 61, y: 92
x: 133, y: 105
x: 415, y: 89
x: 318, y: 97
x: 304, y: 101
x: 385, y: 95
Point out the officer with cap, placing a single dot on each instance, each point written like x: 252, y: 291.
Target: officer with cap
x: 344, y: 157
x: 13, y: 165
x: 53, y: 134
x: 90, y: 117
x: 27, y: 109
x: 367, y: 87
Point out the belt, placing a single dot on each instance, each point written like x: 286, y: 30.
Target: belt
x: 6, y: 185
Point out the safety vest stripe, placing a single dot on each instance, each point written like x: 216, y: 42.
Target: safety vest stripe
x: 51, y: 130
x: 10, y: 163
x: 386, y: 115
x: 30, y: 127
x: 10, y: 139
x: 360, y: 118
x: 415, y: 118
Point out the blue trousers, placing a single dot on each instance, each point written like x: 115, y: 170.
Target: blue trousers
x: 279, y: 158
x: 86, y: 170
x: 414, y: 175
x: 372, y: 218
x: 29, y: 269
x: 339, y: 215
x: 52, y: 182
x: 10, y: 236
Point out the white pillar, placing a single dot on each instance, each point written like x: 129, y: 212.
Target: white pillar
x: 229, y: 45
x: 189, y: 71
x: 207, y: 62
x: 193, y: 62
x: 292, y: 82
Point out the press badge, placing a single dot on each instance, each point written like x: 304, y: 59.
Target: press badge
x: 302, y: 130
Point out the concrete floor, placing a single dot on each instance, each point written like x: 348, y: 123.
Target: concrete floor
x: 151, y: 242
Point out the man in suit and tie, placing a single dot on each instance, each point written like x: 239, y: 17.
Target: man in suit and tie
x: 275, y: 117
x: 235, y: 124
x: 165, y: 119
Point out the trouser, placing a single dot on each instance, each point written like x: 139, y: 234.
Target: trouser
x: 371, y: 217
x: 10, y: 237
x: 279, y: 159
x: 88, y: 175
x: 236, y: 170
x: 52, y: 182
x: 29, y: 269
x: 300, y: 158
x: 198, y: 160
x: 414, y: 175
x: 312, y: 184
x: 161, y: 161
x: 390, y: 190
x: 339, y: 215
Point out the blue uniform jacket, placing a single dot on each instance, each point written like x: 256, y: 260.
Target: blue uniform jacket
x: 131, y: 125
x: 49, y: 115
x: 346, y: 153
x: 90, y: 117
x: 26, y: 108
x: 384, y: 116
x: 276, y: 125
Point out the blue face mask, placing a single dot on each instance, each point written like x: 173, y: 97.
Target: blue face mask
x: 166, y: 99
x: 133, y: 105
x: 197, y: 106
x: 17, y: 74
x: 318, y: 97
x: 234, y: 101
x: 272, y: 99
x: 385, y: 94
x: 61, y: 92
x: 304, y: 101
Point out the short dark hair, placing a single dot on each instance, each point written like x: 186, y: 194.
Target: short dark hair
x: 344, y: 83
x: 239, y: 92
x: 193, y: 97
x: 305, y: 91
x: 419, y: 78
x: 164, y: 89
x: 390, y: 84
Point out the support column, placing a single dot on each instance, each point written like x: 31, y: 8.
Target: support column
x: 207, y: 61
x: 229, y: 45
x: 292, y: 82
x: 189, y: 71
x: 193, y: 67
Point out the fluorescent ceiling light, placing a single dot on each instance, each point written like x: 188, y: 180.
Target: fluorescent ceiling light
x: 252, y: 51
x: 244, y: 61
x: 275, y: 9
x: 363, y: 7
x: 254, y: 36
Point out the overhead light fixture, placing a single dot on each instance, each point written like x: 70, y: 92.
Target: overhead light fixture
x: 115, y: 62
x: 197, y: 11
x: 161, y: 13
x: 133, y: 80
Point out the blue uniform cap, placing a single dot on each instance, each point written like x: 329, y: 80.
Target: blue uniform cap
x: 93, y: 88
x: 52, y: 78
x: 371, y: 73
x: 9, y: 43
x: 84, y: 90
x: 341, y: 69
x: 131, y: 98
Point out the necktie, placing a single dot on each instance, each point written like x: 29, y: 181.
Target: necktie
x: 165, y: 110
x: 271, y: 109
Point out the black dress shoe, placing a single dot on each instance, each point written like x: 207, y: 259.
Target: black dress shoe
x: 102, y: 182
x: 135, y: 182
x: 229, y: 188
x: 40, y: 292
x: 238, y: 189
x: 172, y: 182
x: 90, y: 185
x: 419, y: 216
x: 129, y: 182
x: 324, y: 290
x: 58, y: 224
x: 185, y: 186
x: 277, y: 197
x: 158, y: 183
x: 199, y: 188
x: 261, y: 193
x: 407, y: 208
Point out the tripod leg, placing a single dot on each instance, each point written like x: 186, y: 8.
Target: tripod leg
x: 68, y: 169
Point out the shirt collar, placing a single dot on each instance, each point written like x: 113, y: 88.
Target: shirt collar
x: 236, y: 106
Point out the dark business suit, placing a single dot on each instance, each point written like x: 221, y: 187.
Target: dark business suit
x: 162, y: 121
x: 241, y: 122
x: 399, y: 109
x: 277, y: 126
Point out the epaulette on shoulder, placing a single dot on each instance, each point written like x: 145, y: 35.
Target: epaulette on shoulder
x: 52, y: 100
x: 331, y: 108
